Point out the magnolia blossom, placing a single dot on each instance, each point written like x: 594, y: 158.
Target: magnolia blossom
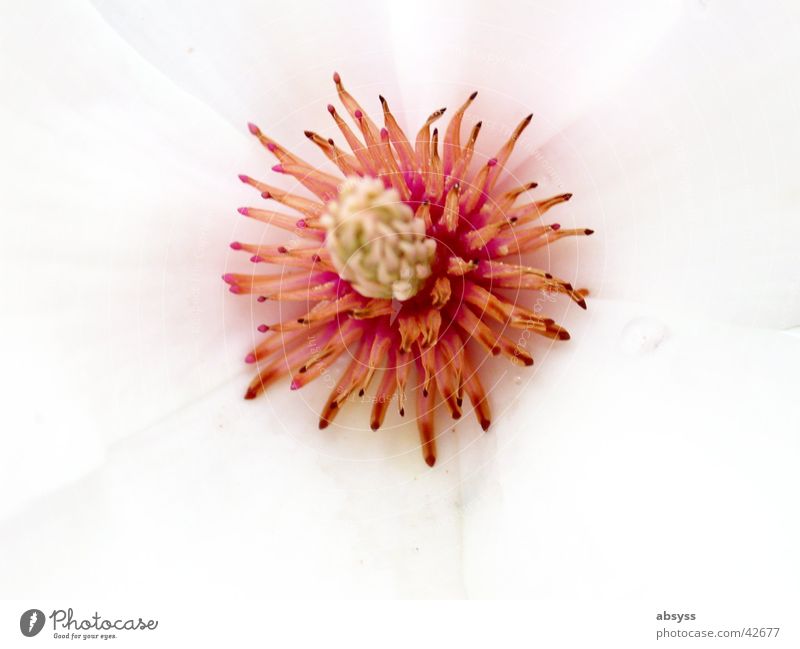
x: 652, y: 452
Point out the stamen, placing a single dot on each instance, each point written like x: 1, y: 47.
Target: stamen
x: 304, y: 205
x: 426, y: 405
x: 352, y: 379
x: 347, y: 164
x: 452, y: 137
x: 396, y: 178
x: 398, y: 138
x: 383, y: 396
x: 440, y: 293
x: 451, y: 214
x: 534, y: 211
x: 462, y: 164
x: 505, y: 152
x: 364, y: 261
x: 352, y: 106
x: 477, y: 396
x: 423, y: 143
x: 283, y: 221
x: 355, y: 144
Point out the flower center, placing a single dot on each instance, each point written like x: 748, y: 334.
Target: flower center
x: 375, y: 241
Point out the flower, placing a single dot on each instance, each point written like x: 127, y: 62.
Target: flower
x: 674, y: 124
x: 419, y: 224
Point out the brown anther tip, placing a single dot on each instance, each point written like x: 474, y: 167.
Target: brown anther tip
x: 473, y: 95
x: 581, y: 303
x: 430, y: 459
x: 331, y: 109
x: 336, y: 78
x: 303, y: 369
x: 533, y: 185
x: 460, y: 402
x: 496, y: 351
x: 563, y: 335
x: 567, y: 285
x: 308, y: 134
x: 513, y: 219
x: 266, y: 195
x: 485, y: 423
x: 567, y: 196
x: 587, y: 231
x: 381, y: 99
x: 456, y: 415
x: 424, y: 392
x: 528, y: 361
x: 374, y: 425
x: 548, y: 276
x: 323, y: 424
x: 250, y: 394
x: 361, y: 392
x: 402, y: 412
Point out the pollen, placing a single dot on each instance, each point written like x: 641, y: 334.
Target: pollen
x: 404, y: 260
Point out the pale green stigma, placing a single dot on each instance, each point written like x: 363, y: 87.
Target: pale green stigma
x: 375, y: 241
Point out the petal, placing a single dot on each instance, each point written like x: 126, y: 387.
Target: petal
x: 238, y: 498
x: 554, y: 59
x: 118, y: 187
x: 257, y: 61
x: 651, y: 452
x: 688, y: 173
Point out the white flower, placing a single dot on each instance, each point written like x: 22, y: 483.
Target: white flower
x: 657, y: 455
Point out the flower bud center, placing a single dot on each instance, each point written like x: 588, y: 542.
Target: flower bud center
x: 375, y: 241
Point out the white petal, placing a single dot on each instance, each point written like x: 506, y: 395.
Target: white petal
x: 239, y: 498
x: 116, y: 204
x: 120, y: 334
x: 253, y: 61
x: 688, y: 175
x: 554, y: 59
x: 261, y: 62
x: 648, y: 453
